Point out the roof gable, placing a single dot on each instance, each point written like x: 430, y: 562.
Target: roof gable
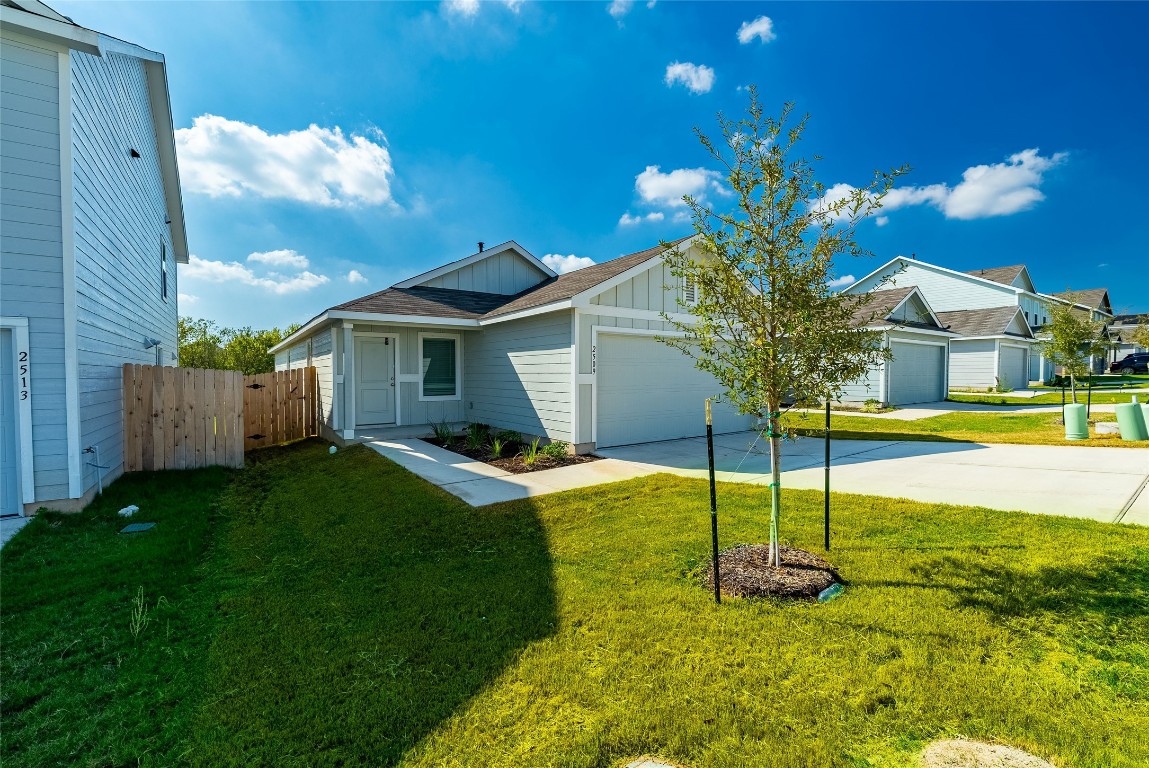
x: 507, y: 269
x: 901, y: 262
x: 1094, y: 298
x: 995, y: 321
x: 1016, y: 276
x: 900, y: 306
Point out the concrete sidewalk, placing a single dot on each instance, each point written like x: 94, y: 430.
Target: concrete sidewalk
x: 1106, y: 484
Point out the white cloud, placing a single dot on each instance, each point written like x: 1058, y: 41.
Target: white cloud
x: 321, y: 166
x: 842, y: 282
x: 513, y: 5
x: 281, y: 258
x: 668, y: 189
x: 882, y: 221
x: 355, y: 276
x: 761, y: 28
x: 627, y: 220
x: 1002, y: 188
x: 466, y: 8
x: 188, y: 298
x: 619, y: 8
x: 698, y: 78
x: 233, y: 272
x: 563, y: 264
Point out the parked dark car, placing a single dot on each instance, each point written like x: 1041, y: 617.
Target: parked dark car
x: 1135, y: 363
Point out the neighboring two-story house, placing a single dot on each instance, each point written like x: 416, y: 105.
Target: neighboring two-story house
x: 997, y: 315
x: 91, y: 229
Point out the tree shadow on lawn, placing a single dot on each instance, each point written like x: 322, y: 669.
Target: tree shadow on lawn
x: 361, y: 608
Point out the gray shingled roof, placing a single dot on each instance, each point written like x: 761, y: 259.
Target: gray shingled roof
x: 471, y: 305
x: 1095, y: 298
x: 1003, y: 275
x: 881, y: 305
x: 979, y: 322
x: 429, y: 302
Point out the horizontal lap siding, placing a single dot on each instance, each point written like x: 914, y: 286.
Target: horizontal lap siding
x: 943, y: 292
x: 31, y: 254
x: 517, y: 375
x: 866, y: 388
x: 120, y: 213
x: 322, y: 358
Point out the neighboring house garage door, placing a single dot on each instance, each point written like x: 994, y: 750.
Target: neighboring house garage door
x: 1012, y: 369
x: 917, y: 373
x: 9, y: 463
x: 648, y: 391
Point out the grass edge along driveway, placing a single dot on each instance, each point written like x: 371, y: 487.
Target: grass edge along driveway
x: 352, y: 613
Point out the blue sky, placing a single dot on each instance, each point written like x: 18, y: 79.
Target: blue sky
x: 329, y: 150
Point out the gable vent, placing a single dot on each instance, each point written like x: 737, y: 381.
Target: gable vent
x: 689, y: 292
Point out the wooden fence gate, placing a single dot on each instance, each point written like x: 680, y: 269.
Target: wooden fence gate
x: 186, y: 418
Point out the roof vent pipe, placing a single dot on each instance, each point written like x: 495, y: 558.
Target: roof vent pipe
x: 481, y: 246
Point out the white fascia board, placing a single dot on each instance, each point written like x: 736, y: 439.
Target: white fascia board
x: 887, y: 327
x: 1028, y: 279
x: 850, y: 287
x: 943, y: 270
x: 380, y: 317
x: 510, y: 245
x: 50, y: 30
x: 582, y: 299
x: 1019, y: 341
x: 161, y: 109
x: 917, y: 292
x: 554, y: 306
x: 1086, y: 307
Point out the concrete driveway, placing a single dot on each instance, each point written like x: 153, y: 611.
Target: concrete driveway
x: 1105, y: 484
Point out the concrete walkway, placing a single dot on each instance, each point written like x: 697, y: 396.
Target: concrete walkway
x: 9, y: 527
x: 1106, y: 484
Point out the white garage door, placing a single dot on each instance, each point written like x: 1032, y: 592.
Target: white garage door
x: 9, y: 462
x: 1012, y: 370
x: 648, y: 391
x: 916, y: 373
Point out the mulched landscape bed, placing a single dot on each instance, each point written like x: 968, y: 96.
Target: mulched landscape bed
x: 745, y: 572
x: 513, y: 464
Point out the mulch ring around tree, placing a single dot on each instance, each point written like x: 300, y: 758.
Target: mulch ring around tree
x: 511, y: 463
x: 745, y: 572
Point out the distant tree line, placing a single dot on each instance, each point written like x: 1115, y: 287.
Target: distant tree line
x: 203, y: 344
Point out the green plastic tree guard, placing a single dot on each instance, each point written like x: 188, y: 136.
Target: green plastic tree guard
x: 1076, y: 425
x: 1131, y: 421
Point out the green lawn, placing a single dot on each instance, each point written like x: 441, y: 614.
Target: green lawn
x: 1052, y: 398
x: 335, y: 610
x: 1015, y: 428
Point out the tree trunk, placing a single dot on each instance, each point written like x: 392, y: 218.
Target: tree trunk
x: 775, y: 489
x: 1073, y: 388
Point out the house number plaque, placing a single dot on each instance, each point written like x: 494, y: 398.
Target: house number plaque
x: 593, y: 357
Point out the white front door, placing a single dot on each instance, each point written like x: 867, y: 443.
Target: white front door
x: 374, y: 380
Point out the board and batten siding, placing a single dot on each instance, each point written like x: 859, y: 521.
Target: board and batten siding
x: 517, y: 375
x: 120, y: 237
x: 31, y: 242
x: 944, y: 292
x: 656, y: 290
x: 504, y: 273
x: 972, y: 362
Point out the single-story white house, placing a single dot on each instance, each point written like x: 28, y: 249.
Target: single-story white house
x: 499, y: 338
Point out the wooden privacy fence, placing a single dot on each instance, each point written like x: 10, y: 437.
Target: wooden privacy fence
x: 185, y: 418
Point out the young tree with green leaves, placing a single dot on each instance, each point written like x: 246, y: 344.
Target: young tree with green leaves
x: 766, y: 323
x: 1073, y: 339
x: 1140, y: 335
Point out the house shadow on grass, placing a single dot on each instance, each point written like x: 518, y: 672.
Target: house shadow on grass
x: 362, y: 607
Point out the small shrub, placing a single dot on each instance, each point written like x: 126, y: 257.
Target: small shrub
x: 443, y: 432
x: 871, y: 406
x: 477, y: 435
x: 555, y: 450
x: 497, y: 448
x: 530, y: 452
x: 509, y: 437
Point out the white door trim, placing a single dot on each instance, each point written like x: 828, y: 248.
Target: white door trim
x: 26, y: 477
x: 394, y: 364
